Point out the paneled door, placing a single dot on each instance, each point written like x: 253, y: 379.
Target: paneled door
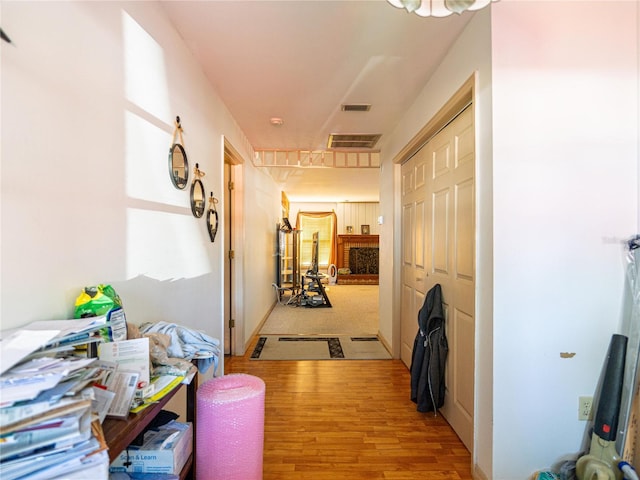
x: 414, y: 244
x: 443, y: 215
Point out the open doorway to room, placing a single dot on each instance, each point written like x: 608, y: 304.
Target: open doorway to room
x: 349, y: 258
x: 346, y: 182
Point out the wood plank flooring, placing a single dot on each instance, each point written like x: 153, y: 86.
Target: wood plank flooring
x: 350, y: 419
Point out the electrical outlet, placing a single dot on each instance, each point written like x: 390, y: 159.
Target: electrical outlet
x: 585, y: 405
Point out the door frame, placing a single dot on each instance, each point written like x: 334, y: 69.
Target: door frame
x: 232, y: 158
x: 466, y: 94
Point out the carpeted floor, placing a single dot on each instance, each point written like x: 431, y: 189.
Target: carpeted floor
x: 304, y: 347
x: 354, y: 312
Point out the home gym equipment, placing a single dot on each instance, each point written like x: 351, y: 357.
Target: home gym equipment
x: 313, y: 292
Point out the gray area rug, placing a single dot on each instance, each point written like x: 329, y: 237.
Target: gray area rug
x: 299, y: 347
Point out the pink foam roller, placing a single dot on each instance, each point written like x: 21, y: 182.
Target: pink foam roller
x: 230, y: 428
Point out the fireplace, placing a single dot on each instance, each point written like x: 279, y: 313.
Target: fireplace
x: 363, y: 260
x: 359, y: 255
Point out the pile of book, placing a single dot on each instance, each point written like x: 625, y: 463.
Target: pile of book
x: 49, y: 420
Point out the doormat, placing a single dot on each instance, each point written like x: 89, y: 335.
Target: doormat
x: 339, y: 347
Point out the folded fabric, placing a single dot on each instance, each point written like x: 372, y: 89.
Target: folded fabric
x: 188, y: 343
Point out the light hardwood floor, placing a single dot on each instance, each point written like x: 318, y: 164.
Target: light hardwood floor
x: 349, y: 419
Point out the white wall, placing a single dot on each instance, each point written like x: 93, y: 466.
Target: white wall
x: 90, y: 91
x: 357, y: 214
x: 565, y: 162
x: 258, y: 252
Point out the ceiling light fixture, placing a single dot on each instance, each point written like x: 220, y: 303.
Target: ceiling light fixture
x: 439, y: 8
x: 276, y: 121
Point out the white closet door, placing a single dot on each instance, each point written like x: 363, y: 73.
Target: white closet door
x: 439, y: 245
x: 414, y: 253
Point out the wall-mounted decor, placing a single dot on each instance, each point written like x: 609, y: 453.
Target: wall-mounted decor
x: 197, y: 193
x: 178, y: 164
x: 212, y: 218
x: 285, y: 205
x: 364, y: 229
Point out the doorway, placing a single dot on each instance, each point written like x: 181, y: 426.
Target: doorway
x: 354, y: 299
x: 232, y: 213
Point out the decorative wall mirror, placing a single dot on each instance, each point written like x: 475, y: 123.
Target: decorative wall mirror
x: 197, y: 193
x: 212, y: 218
x: 178, y: 164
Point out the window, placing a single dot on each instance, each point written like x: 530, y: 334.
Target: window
x: 325, y: 224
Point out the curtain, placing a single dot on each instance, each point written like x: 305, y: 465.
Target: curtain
x: 326, y: 224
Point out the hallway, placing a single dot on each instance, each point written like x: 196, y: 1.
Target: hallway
x: 349, y: 419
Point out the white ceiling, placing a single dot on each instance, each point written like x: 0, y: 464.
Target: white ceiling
x: 300, y: 60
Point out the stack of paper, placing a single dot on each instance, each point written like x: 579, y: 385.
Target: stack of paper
x: 40, y: 440
x: 46, y: 338
x: 55, y: 376
x: 46, y: 402
x: 50, y: 398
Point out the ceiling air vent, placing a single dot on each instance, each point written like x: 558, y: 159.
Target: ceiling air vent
x: 356, y: 107
x: 339, y: 140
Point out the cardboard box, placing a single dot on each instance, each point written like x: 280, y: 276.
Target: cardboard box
x: 164, y: 450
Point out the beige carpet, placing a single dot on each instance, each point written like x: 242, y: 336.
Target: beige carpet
x: 354, y: 312
x: 319, y: 347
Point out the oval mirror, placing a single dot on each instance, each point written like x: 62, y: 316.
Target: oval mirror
x: 178, y: 166
x: 197, y: 198
x: 212, y: 218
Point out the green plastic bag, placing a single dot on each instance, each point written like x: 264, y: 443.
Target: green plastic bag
x: 101, y: 300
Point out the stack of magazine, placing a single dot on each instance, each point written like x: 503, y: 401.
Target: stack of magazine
x: 49, y: 427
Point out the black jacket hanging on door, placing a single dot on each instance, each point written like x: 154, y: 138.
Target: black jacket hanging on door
x: 429, y: 355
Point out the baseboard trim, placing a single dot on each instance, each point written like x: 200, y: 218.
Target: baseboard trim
x: 478, y: 474
x: 385, y: 343
x: 256, y: 331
